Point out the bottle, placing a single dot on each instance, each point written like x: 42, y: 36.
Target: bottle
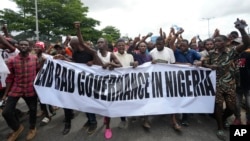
x: 150, y: 34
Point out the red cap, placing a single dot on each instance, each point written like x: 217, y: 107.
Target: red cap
x: 40, y: 44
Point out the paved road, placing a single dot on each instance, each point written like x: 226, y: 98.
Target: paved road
x: 202, y: 128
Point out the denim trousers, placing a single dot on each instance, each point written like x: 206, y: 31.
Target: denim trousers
x: 91, y: 118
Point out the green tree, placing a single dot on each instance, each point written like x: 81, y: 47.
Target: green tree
x: 111, y: 33
x: 56, y: 18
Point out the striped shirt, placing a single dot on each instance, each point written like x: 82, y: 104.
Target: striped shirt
x: 22, y: 75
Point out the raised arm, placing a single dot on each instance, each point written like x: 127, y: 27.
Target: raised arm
x: 81, y: 41
x: 5, y: 31
x: 169, y: 37
x: 132, y: 47
x: 216, y: 33
x: 240, y: 25
x: 7, y: 44
x: 173, y: 39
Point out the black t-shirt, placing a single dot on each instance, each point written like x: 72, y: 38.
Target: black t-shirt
x: 82, y: 57
x: 244, y: 68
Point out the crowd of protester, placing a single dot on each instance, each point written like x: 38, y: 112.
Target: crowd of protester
x: 228, y: 54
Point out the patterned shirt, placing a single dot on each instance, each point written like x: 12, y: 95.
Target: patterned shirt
x: 22, y: 75
x: 225, y: 74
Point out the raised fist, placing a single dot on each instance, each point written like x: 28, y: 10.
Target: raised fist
x: 240, y: 24
x: 77, y: 24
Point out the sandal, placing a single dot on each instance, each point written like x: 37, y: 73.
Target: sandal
x: 45, y: 121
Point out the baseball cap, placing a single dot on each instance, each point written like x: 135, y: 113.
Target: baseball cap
x: 237, y: 40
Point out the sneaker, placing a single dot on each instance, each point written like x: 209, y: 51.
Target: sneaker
x: 177, y: 127
x: 237, y: 122
x: 123, y: 124
x: 31, y: 134
x: 221, y: 135
x: 86, y: 125
x: 92, y: 128
x: 14, y: 135
x: 108, y: 134
x: 45, y: 121
x: 146, y: 124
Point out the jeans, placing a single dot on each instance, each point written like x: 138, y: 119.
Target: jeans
x: 246, y: 94
x: 91, y: 118
x: 10, y: 116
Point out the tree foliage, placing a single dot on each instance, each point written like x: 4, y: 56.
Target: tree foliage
x: 56, y: 18
x: 111, y: 33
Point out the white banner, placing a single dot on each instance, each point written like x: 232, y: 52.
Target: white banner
x: 4, y: 71
x: 149, y: 89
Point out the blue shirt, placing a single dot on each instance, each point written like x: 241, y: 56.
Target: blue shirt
x: 186, y: 57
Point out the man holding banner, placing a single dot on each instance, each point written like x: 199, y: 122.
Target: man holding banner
x: 82, y: 53
x: 162, y: 54
x: 109, y: 61
x: 184, y: 55
x: 126, y: 61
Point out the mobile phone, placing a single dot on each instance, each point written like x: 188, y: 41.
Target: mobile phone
x: 177, y: 28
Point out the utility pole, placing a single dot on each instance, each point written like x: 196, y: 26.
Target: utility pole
x: 37, y: 29
x: 208, y: 25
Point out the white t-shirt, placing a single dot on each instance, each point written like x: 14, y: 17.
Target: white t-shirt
x: 105, y: 59
x: 166, y: 54
x: 125, y: 58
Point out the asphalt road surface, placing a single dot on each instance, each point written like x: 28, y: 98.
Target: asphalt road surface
x: 202, y: 128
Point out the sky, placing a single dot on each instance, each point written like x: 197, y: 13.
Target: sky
x: 196, y: 17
